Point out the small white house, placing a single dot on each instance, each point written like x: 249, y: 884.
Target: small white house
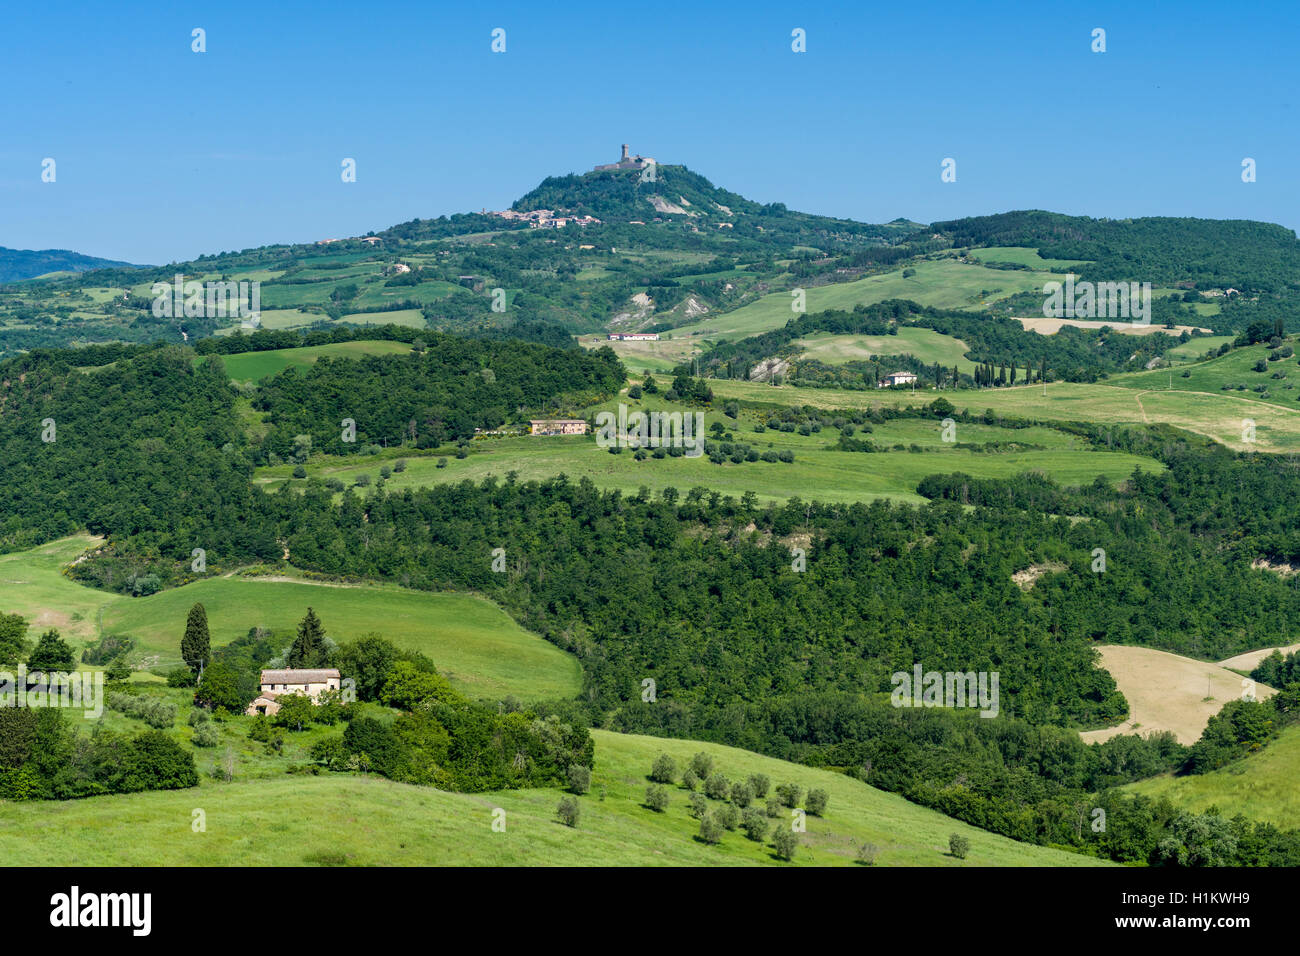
x: 900, y: 378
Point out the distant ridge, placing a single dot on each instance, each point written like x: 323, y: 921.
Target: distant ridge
x: 17, y: 264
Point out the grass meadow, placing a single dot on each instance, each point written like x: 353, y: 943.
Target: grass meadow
x: 344, y: 819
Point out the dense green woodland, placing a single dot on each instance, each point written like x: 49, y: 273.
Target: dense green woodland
x: 1208, y: 253
x: 432, y: 397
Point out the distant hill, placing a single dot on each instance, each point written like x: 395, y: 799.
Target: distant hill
x: 16, y: 264
x: 678, y: 194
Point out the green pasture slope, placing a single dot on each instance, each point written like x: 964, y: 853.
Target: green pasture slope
x: 1262, y: 786
x: 343, y: 819
x: 1193, y: 349
x: 1023, y: 256
x: 1217, y: 415
x: 471, y: 640
x: 816, y: 473
x: 33, y: 585
x: 926, y: 345
x: 942, y: 283
x: 1234, y: 370
x: 253, y: 366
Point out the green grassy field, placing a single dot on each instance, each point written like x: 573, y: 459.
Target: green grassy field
x: 1217, y: 415
x: 32, y: 584
x: 253, y: 366
x: 340, y: 819
x: 943, y: 283
x: 472, y: 641
x: 411, y: 318
x: 1234, y: 369
x: 926, y: 345
x: 1193, y: 349
x: 1262, y: 786
x: 815, y: 473
x: 1021, y: 255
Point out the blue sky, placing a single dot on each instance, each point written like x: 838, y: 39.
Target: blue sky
x: 164, y: 154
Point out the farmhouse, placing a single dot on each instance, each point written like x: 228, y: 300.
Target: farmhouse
x: 634, y: 336
x: 558, y: 426
x: 277, y: 683
x: 899, y: 378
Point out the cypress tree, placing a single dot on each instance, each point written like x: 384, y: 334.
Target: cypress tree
x: 307, y: 649
x: 196, y: 645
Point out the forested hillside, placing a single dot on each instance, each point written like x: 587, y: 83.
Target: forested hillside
x: 438, y: 395
x: 1250, y: 256
x: 16, y: 264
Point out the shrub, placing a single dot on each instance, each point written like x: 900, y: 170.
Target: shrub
x: 716, y: 787
x: 330, y: 753
x: 152, y: 710
x: 816, y: 802
x: 299, y: 471
x: 774, y: 806
x: 789, y: 794
x: 866, y: 854
x: 664, y: 769
x: 958, y: 846
x: 727, y: 815
x: 741, y: 795
x: 154, y: 761
x: 117, y: 670
x: 710, y: 829
x: 784, y: 843
x: 755, y: 824
x: 579, y: 778
x: 106, y: 648
x: 198, y: 716
x: 698, y: 806
x: 758, y: 785
x: 260, y: 729
x: 296, y: 712
x: 702, y: 765
x: 689, y: 780
x: 569, y: 811
x: 656, y: 798
x: 206, y: 735
x: 52, y: 653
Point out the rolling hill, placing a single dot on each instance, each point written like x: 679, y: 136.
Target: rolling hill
x: 18, y: 264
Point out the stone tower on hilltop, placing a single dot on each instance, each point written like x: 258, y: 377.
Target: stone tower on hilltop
x: 626, y: 162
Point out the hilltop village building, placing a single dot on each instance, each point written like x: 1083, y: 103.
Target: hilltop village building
x: 558, y: 426
x: 277, y: 683
x: 546, y: 218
